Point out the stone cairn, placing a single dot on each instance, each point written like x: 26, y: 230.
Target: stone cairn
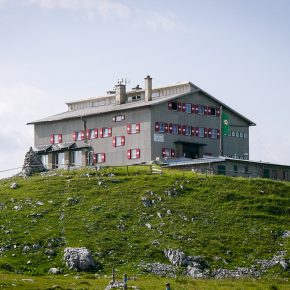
x: 32, y: 163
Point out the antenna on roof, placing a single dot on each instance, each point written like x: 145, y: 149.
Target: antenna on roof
x: 123, y: 81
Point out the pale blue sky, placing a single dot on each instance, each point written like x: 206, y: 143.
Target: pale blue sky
x: 53, y: 51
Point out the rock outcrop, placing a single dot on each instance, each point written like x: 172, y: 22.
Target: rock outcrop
x: 79, y: 259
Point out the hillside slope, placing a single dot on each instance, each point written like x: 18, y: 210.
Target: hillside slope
x: 125, y: 218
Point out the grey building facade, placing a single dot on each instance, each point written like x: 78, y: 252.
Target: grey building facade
x: 141, y: 125
x: 232, y: 167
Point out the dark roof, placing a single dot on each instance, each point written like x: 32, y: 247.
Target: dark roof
x: 133, y: 105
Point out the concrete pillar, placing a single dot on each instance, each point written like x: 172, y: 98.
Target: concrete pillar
x: 148, y: 89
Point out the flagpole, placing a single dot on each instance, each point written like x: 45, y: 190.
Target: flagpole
x: 221, y: 132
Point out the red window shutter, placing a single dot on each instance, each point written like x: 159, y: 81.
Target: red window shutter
x: 218, y: 112
x: 138, y: 128
x: 59, y: 138
x: 165, y: 127
x: 170, y: 128
x: 82, y: 135
x: 209, y: 132
x: 218, y: 133
x: 114, y: 141
x: 205, y: 132
x: 74, y: 136
x: 101, y: 132
x: 192, y: 108
x: 129, y: 154
x: 156, y: 126
x: 96, y: 133
x: 137, y: 153
x: 183, y: 107
x: 183, y: 130
x: 206, y: 110
x: 196, y: 132
x: 163, y: 152
x: 51, y: 139
x: 88, y: 133
x: 123, y: 140
x: 179, y: 106
x: 95, y: 158
x: 192, y: 131
x: 103, y: 157
x: 196, y: 109
x: 172, y: 153
x: 179, y: 129
x: 128, y: 128
x: 110, y: 131
x: 170, y: 106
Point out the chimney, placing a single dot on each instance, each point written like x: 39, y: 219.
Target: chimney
x: 148, y: 89
x: 120, y: 94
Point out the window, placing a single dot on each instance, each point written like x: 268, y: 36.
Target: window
x: 105, y: 132
x: 55, y: 138
x: 221, y: 170
x: 285, y: 175
x: 76, y: 157
x: 167, y: 152
x: 134, y: 98
x: 200, y: 110
x: 174, y: 106
x: 100, y: 158
x: 235, y: 168
x: 174, y: 128
x: 155, y: 94
x: 186, y: 107
x: 92, y: 133
x: 245, y: 135
x: 118, y: 141
x: 44, y: 160
x: 213, y: 133
x: 186, y: 130
x: 246, y: 170
x: 161, y: 127
x: 211, y: 111
x: 118, y: 118
x: 233, y: 133
x: 201, y: 132
x: 133, y: 128
x: 133, y: 153
x: 78, y: 135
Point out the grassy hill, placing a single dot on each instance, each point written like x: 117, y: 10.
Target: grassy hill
x: 128, y: 217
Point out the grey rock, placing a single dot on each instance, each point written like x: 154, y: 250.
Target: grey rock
x: 79, y: 259
x: 176, y: 257
x: 32, y: 164
x: 54, y: 271
x: 50, y: 252
x: 14, y: 185
x: 159, y: 269
x: 72, y: 200
x: 36, y: 247
x: 26, y: 249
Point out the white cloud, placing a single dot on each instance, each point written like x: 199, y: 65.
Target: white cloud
x: 19, y: 104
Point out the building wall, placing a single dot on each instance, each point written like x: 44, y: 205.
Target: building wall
x: 241, y: 168
x: 114, y: 155
x: 232, y: 145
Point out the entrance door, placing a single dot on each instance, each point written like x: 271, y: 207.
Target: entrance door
x: 190, y: 150
x: 60, y: 160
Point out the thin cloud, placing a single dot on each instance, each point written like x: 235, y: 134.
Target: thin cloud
x: 103, y: 7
